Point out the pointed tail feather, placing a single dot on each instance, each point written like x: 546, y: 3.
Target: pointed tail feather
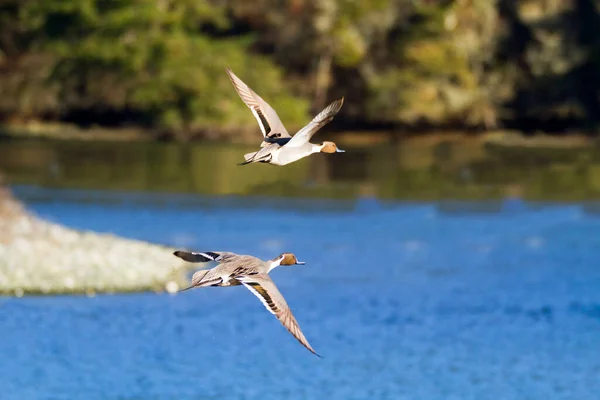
x: 187, y: 288
x: 249, y: 157
x: 196, y: 279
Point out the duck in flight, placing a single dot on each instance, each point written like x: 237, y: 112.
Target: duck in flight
x: 253, y: 273
x: 278, y: 147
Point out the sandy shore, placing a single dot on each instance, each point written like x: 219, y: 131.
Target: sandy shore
x: 39, y: 257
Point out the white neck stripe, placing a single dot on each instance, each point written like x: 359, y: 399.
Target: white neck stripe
x: 276, y: 263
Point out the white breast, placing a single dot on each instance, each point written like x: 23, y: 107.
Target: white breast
x: 288, y: 155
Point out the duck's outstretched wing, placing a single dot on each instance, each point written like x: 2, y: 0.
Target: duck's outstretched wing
x: 322, y: 119
x: 205, y: 256
x: 270, y: 125
x: 264, y: 288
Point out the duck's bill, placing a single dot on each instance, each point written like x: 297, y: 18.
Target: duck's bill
x: 340, y: 151
x: 300, y: 263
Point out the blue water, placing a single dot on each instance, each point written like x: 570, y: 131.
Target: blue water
x: 404, y: 301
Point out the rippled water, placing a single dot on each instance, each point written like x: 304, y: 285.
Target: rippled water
x: 415, y: 168
x: 489, y: 300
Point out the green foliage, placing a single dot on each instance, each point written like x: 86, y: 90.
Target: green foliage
x: 159, y: 63
x: 435, y: 76
x: 151, y: 58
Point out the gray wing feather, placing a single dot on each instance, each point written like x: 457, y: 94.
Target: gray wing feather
x: 264, y: 288
x: 206, y: 256
x: 322, y: 119
x: 265, y: 115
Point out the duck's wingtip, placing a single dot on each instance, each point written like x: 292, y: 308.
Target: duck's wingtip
x: 313, y: 351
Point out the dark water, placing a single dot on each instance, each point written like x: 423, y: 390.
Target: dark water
x: 410, y: 169
x: 480, y: 300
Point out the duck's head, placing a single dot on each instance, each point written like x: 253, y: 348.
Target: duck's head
x: 288, y: 259
x: 330, y: 147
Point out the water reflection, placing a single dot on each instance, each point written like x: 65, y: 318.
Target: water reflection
x: 418, y: 169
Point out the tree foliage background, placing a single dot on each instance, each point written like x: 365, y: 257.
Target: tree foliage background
x: 469, y: 64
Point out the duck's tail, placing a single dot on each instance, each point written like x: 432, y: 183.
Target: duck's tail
x: 249, y: 157
x: 196, y: 280
x: 187, y: 288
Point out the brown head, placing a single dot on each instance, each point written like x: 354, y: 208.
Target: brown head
x: 289, y: 259
x: 330, y: 147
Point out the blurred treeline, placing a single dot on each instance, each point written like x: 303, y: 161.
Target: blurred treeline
x: 420, y: 64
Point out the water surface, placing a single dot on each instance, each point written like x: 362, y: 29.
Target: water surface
x: 430, y: 300
x: 452, y: 167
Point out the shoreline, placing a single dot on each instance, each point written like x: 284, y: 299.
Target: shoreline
x: 509, y: 139
x: 38, y: 257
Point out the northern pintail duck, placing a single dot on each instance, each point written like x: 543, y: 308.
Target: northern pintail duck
x: 278, y: 147
x: 253, y: 273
